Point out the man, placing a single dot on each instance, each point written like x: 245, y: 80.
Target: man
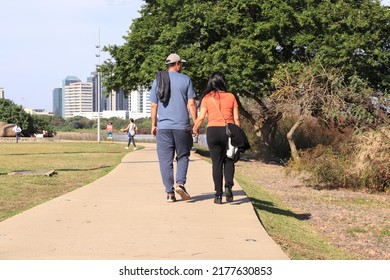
x: 172, y: 98
x: 17, y: 131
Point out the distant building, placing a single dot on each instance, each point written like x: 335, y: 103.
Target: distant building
x: 40, y: 112
x: 78, y: 98
x: 57, y: 101
x: 115, y: 101
x: 2, y: 95
x: 67, y: 81
x: 105, y: 114
x: 138, y: 102
x: 93, y: 80
x: 135, y: 106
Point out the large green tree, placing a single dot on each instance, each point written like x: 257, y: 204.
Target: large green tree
x: 249, y: 40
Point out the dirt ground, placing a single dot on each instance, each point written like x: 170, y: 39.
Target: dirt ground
x: 357, y: 222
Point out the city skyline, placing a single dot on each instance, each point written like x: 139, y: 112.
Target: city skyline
x: 79, y: 98
x: 47, y: 40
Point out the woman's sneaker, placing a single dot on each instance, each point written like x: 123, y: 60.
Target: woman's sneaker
x: 181, y: 190
x: 171, y: 197
x: 218, y: 199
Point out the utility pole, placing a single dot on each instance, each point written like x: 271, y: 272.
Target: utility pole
x: 99, y: 89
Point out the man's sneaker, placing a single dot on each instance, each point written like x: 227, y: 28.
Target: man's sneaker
x: 135, y: 149
x: 228, y: 194
x: 126, y: 148
x: 171, y: 197
x: 181, y: 190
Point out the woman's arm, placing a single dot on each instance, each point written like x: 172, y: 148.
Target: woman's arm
x: 236, y: 116
x: 199, y: 120
x: 126, y: 129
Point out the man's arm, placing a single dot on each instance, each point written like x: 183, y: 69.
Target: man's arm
x: 191, y: 104
x: 153, y: 116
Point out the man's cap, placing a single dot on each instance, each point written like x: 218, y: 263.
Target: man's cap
x: 173, y: 58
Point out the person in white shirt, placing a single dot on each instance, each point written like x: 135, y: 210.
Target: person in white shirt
x: 17, y: 131
x: 131, y: 131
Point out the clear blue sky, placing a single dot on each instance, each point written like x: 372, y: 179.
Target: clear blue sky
x: 43, y: 41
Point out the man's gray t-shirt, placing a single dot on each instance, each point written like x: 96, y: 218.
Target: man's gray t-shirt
x: 174, y: 115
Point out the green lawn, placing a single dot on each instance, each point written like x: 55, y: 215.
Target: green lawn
x: 76, y: 164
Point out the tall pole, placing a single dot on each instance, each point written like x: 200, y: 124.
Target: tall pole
x: 98, y: 90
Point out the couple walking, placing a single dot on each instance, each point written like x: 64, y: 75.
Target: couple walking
x: 172, y: 101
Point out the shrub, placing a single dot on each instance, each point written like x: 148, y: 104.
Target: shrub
x: 363, y: 161
x: 372, y: 158
x: 325, y: 166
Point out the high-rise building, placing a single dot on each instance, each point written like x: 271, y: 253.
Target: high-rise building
x: 78, y: 98
x: 67, y: 81
x: 116, y: 101
x: 138, y: 101
x: 93, y: 80
x: 57, y: 101
x: 2, y: 93
x: 104, y: 96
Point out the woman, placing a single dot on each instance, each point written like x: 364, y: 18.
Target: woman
x: 220, y: 106
x: 131, y: 131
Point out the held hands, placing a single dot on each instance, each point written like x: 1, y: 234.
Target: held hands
x: 195, y: 136
x: 195, y: 132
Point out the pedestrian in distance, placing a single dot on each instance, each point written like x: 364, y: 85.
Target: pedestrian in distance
x: 172, y: 100
x: 221, y: 107
x: 131, y: 130
x: 17, y: 131
x: 109, y: 131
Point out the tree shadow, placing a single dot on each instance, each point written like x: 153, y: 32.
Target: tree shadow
x: 61, y: 169
x: 62, y: 153
x: 202, y: 152
x: 83, y: 169
x: 270, y: 207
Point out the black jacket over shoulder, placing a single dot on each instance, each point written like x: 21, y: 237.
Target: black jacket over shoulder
x: 163, y: 86
x: 238, y: 139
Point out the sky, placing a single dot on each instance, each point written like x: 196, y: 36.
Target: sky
x: 43, y: 41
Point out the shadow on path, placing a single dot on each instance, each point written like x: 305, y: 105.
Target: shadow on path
x: 239, y: 198
x: 270, y: 207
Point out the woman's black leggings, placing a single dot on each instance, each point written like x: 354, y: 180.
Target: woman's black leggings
x: 222, y: 165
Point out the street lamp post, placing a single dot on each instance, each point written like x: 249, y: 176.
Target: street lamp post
x: 98, y: 90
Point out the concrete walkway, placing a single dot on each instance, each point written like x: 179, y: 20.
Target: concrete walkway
x: 124, y: 215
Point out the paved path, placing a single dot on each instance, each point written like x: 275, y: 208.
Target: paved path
x: 124, y: 215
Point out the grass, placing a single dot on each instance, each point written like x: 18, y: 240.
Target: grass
x: 355, y: 230
x: 76, y: 164
x: 298, y: 239
x: 79, y: 163
x: 291, y: 231
x: 384, y: 233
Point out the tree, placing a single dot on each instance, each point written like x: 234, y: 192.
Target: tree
x: 13, y: 113
x: 78, y: 122
x: 41, y: 123
x: 249, y: 40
